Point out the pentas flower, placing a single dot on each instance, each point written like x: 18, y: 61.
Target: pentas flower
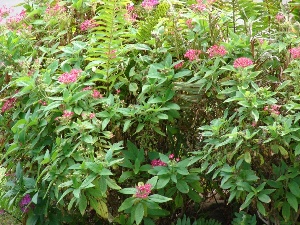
x: 143, y: 191
x: 70, y: 77
x: 216, y: 50
x: 242, y: 62
x: 179, y: 65
x: 4, y: 12
x: 88, y: 24
x: 67, y: 114
x: 16, y: 19
x: 192, y: 54
x: 295, y: 52
x: 24, y: 203
x: 87, y: 88
x: 92, y: 115
x: 189, y: 23
x: 149, y: 4
x: 96, y: 94
x: 8, y: 104
x: 171, y: 156
x: 279, y: 17
x: 158, y: 162
x: 55, y: 10
x: 130, y: 15
x: 112, y: 54
x: 273, y: 109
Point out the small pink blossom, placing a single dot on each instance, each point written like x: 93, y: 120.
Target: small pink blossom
x: 130, y: 15
x: 158, y: 162
x: 70, y: 77
x: 179, y: 65
x: 112, y: 54
x: 92, y: 115
x: 192, y: 54
x: 11, y: 21
x: 279, y: 17
x: 274, y: 109
x: 4, y: 12
x: 189, y: 23
x: 118, y: 91
x: 67, y: 114
x: 2, y: 211
x: 55, y: 10
x: 216, y: 50
x: 87, y: 88
x: 88, y: 24
x: 25, y: 203
x: 242, y: 62
x: 177, y: 159
x: 171, y: 156
x: 254, y: 124
x: 143, y: 191
x: 96, y: 94
x: 295, y: 52
x: 200, y: 6
x: 149, y: 4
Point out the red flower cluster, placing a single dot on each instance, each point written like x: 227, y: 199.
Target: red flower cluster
x: 8, y: 104
x: 295, y: 52
x: 192, y: 54
x: 71, y: 77
x: 149, y: 4
x: 242, y: 62
x: 273, y: 109
x: 158, y: 162
x: 179, y: 65
x: 88, y: 24
x: 143, y: 191
x: 216, y: 50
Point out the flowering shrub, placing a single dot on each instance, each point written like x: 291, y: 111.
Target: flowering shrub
x: 191, y: 103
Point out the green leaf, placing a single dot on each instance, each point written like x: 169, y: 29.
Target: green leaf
x: 152, y: 181
x: 297, y: 150
x: 100, y: 207
x: 127, y: 124
x: 182, y: 186
x: 292, y: 200
x: 87, y: 183
x: 139, y: 213
x: 88, y: 139
x: 19, y: 172
x: 261, y: 208
x: 264, y: 198
x: 286, y: 211
x: 294, y: 188
x: 247, y: 201
x: 159, y: 198
x: 128, y: 203
x: 133, y: 88
x: 255, y: 114
x: 162, y: 181
x: 128, y: 191
x: 105, y: 123
x: 82, y: 204
x: 247, y: 157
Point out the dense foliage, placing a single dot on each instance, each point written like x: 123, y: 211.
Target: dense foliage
x: 138, y: 112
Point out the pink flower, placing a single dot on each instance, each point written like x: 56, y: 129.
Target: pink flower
x: 67, y: 114
x: 96, y: 94
x: 192, y: 54
x: 71, y: 77
x: 177, y: 159
x: 87, y: 88
x: 254, y: 124
x: 92, y: 115
x: 149, y: 4
x: 55, y: 10
x: 143, y: 191
x: 242, y: 62
x: 88, y: 24
x: 279, y: 17
x: 16, y: 19
x: 8, y: 104
x: 4, y: 12
x: 2, y: 211
x: 216, y: 50
x: 200, y: 6
x: 189, y: 23
x: 273, y: 109
x: 112, y: 54
x: 171, y: 156
x: 158, y: 162
x: 295, y: 52
x: 118, y: 91
x: 25, y: 203
x: 179, y: 65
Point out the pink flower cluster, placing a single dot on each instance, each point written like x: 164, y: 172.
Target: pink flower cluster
x: 216, y: 50
x: 112, y: 54
x: 192, y: 54
x: 189, y: 23
x: 16, y: 19
x: 242, y: 62
x: 67, y: 114
x: 71, y: 77
x: 24, y: 203
x: 149, y: 4
x: 130, y: 15
x: 55, y: 10
x: 200, y: 6
x: 44, y: 103
x: 279, y: 17
x: 295, y: 52
x: 172, y: 156
x: 4, y: 12
x: 273, y: 109
x: 88, y: 24
x: 158, y: 162
x: 8, y: 104
x: 143, y: 191
x: 96, y: 94
x: 179, y: 65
